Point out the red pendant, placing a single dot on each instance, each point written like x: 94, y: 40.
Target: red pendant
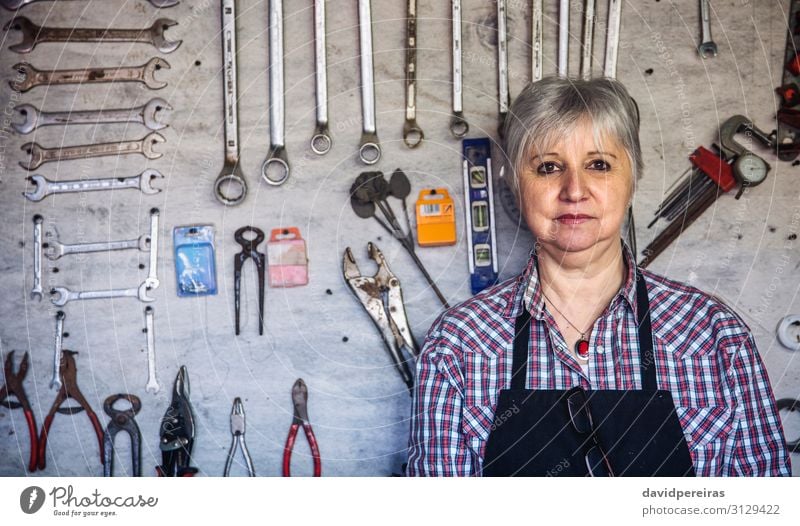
x: 582, y: 349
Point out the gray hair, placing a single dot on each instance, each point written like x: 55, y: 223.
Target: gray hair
x: 547, y: 110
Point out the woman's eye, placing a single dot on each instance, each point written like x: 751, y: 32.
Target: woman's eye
x: 547, y: 168
x: 599, y: 164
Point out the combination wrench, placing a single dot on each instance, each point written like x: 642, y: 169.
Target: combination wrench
x: 587, y: 44
x: 612, y: 38
x: 33, y: 34
x: 37, y: 291
x: 321, y: 142
x: 151, y: 281
x: 458, y: 125
x: 707, y: 47
x: 55, y: 381
x: 502, y: 65
x: 13, y: 5
x: 412, y: 133
x: 275, y: 169
x: 55, y: 249
x: 32, y: 77
x: 44, y: 187
x: 62, y: 295
x: 563, y: 38
x: 148, y: 115
x: 230, y: 187
x: 537, y: 58
x: 150, y: 332
x: 369, y: 150
x: 40, y: 155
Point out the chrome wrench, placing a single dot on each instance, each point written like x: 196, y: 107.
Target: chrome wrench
x: 458, y: 124
x: 321, y: 142
x: 40, y: 155
x: 13, y: 5
x: 62, y: 295
x: 55, y: 249
x: 44, y: 187
x: 707, y: 47
x: 32, y: 77
x: 152, y: 270
x: 536, y: 38
x: 149, y: 320
x: 587, y: 44
x: 502, y: 64
x: 369, y: 150
x: 36, y: 291
x: 563, y: 38
x: 230, y: 188
x: 55, y: 381
x: 412, y: 133
x: 275, y: 169
x: 612, y: 38
x: 148, y: 114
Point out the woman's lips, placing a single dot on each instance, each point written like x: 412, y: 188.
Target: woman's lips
x: 573, y: 219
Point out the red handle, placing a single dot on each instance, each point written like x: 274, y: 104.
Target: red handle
x: 43, y: 441
x: 287, y: 450
x: 714, y: 167
x: 98, y: 429
x: 34, y: 441
x: 312, y: 443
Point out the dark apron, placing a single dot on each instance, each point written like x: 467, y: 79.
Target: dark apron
x: 638, y: 429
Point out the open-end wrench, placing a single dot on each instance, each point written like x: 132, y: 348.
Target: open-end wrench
x: 369, y: 150
x: 563, y: 38
x: 321, y: 142
x: 150, y: 332
x: 707, y: 47
x: 275, y: 169
x: 502, y: 65
x: 230, y: 187
x: 40, y: 155
x: 458, y: 125
x: 587, y: 43
x: 44, y: 187
x: 62, y: 295
x: 537, y: 17
x: 152, y: 271
x: 13, y: 5
x: 412, y: 133
x: 33, y: 34
x: 612, y: 38
x: 54, y: 249
x: 32, y: 77
x: 37, y: 291
x: 148, y: 114
x: 55, y: 381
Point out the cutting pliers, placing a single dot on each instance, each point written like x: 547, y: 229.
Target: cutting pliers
x: 237, y: 433
x: 300, y: 401
x: 382, y: 298
x: 122, y: 421
x: 177, y: 432
x: 69, y: 389
x: 13, y: 387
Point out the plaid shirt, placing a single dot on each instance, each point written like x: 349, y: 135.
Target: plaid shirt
x: 705, y: 356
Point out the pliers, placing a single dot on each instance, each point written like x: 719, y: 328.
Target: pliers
x: 13, y: 387
x: 382, y: 298
x: 177, y: 432
x: 122, y: 421
x: 69, y: 389
x: 237, y: 433
x: 299, y: 400
x: 249, y: 251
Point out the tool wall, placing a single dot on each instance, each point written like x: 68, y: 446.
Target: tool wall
x: 743, y: 250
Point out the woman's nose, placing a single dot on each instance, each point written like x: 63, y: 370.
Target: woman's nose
x: 573, y: 185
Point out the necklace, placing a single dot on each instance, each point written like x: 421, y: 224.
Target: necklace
x: 582, y: 345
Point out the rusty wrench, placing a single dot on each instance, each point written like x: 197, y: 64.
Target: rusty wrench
x: 412, y: 133
x: 13, y: 5
x: 275, y: 169
x: 40, y: 155
x: 30, y: 77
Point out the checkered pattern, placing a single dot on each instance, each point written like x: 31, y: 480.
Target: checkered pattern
x: 705, y: 356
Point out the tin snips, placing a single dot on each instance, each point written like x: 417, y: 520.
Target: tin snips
x: 177, y: 432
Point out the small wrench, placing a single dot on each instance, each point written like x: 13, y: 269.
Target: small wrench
x: 149, y: 320
x: 147, y: 114
x: 412, y: 133
x: 563, y: 38
x: 369, y: 151
x: 40, y: 155
x: 32, y: 77
x: 230, y: 188
x: 612, y: 38
x: 54, y: 249
x: 458, y: 125
x: 587, y: 44
x: 33, y: 34
x: 502, y: 65
x: 537, y: 17
x: 36, y: 291
x: 275, y: 169
x: 321, y: 142
x: 45, y: 187
x: 152, y: 272
x: 55, y: 382
x: 707, y: 47
x: 63, y: 295
x: 13, y: 5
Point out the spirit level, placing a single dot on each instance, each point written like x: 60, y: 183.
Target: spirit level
x: 479, y: 212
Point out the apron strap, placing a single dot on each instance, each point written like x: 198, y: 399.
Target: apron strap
x: 522, y: 336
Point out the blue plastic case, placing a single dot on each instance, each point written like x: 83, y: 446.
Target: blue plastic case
x: 195, y: 266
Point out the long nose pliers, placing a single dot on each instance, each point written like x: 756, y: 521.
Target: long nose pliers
x: 237, y: 440
x: 13, y: 387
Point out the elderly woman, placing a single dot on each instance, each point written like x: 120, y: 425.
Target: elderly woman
x: 586, y: 364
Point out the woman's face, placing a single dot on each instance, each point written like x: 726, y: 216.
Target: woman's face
x: 575, y: 195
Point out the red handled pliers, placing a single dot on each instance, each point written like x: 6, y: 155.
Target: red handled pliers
x: 14, y: 387
x: 300, y: 399
x: 69, y: 389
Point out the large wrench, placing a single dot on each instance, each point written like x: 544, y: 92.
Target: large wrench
x: 32, y: 77
x: 55, y: 381
x: 147, y: 114
x: 587, y: 44
x: 707, y: 47
x: 40, y: 155
x: 55, y: 249
x: 62, y: 295
x: 13, y: 5
x: 45, y: 187
x: 612, y: 38
x: 458, y: 125
x: 502, y: 65
x: 321, y: 142
x: 33, y: 34
x: 150, y: 331
x: 152, y: 270
x: 230, y: 188
x: 275, y: 169
x: 36, y: 291
x: 412, y: 133
x: 536, y: 41
x: 563, y: 38
x: 369, y: 150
